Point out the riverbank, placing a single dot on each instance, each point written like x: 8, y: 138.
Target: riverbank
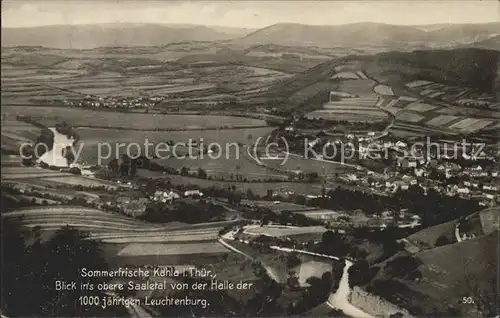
x: 354, y: 302
x: 374, y: 304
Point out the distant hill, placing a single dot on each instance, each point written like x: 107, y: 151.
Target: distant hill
x: 463, y: 67
x: 111, y: 35
x: 469, y: 67
x: 467, y: 32
x: 492, y: 43
x: 354, y: 35
x: 291, y: 34
x: 393, y: 37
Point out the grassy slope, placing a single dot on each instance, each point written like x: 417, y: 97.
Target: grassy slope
x: 467, y: 67
x: 446, y: 271
x: 427, y: 237
x: 463, y: 67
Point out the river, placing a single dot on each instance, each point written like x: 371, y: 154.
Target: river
x: 338, y: 300
x: 54, y: 157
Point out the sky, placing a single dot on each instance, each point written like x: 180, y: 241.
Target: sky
x: 246, y: 14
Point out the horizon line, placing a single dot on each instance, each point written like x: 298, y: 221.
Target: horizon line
x: 248, y: 28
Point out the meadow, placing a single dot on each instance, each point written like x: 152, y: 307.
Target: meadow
x: 141, y: 249
x: 83, y: 181
x: 322, y: 167
x: 49, y: 116
x: 283, y: 231
x: 259, y: 188
x: 231, y: 157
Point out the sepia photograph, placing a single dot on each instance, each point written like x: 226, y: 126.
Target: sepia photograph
x: 250, y: 158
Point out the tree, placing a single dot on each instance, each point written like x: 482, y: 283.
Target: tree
x: 359, y: 273
x: 202, y: 174
x: 292, y: 261
x: 184, y: 171
x: 33, y: 270
x: 28, y: 155
x: 250, y: 195
x: 403, y: 266
x: 312, y: 176
x: 113, y: 165
x: 68, y: 155
x: 124, y: 165
x: 133, y: 168
x: 442, y: 240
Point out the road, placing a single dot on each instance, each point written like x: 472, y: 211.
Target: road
x: 337, y: 300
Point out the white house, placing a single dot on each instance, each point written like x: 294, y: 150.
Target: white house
x: 191, y: 193
x: 463, y: 190
x: 419, y: 172
x: 489, y: 196
x: 401, y: 144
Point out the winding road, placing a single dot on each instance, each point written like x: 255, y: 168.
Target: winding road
x: 338, y: 300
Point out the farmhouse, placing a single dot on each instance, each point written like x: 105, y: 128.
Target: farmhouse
x: 193, y: 193
x: 165, y: 197
x: 463, y: 190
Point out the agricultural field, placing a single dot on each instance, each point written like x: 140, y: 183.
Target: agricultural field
x: 283, y: 231
x: 260, y: 188
x: 350, y: 75
x: 322, y: 167
x: 427, y: 238
x: 10, y: 161
x: 15, y: 133
x: 49, y: 116
x: 418, y: 83
x: 409, y: 110
x: 383, y: 90
x: 130, y: 241
x: 420, y: 107
x: 281, y: 206
x: 12, y: 173
x: 471, y: 124
x: 348, y: 114
x: 63, y: 214
x: 310, y: 269
x: 229, y: 159
x: 357, y: 104
x: 346, y: 76
x: 66, y: 75
x: 451, y: 94
x: 83, y: 181
x: 115, y: 228
x: 442, y: 120
x: 320, y: 214
x: 360, y: 87
x: 142, y: 249
x: 410, y: 116
x: 394, y: 105
x: 352, y: 102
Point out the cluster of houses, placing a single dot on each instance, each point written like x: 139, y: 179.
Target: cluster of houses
x: 137, y: 206
x: 429, y: 167
x: 474, y: 181
x: 91, y: 101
